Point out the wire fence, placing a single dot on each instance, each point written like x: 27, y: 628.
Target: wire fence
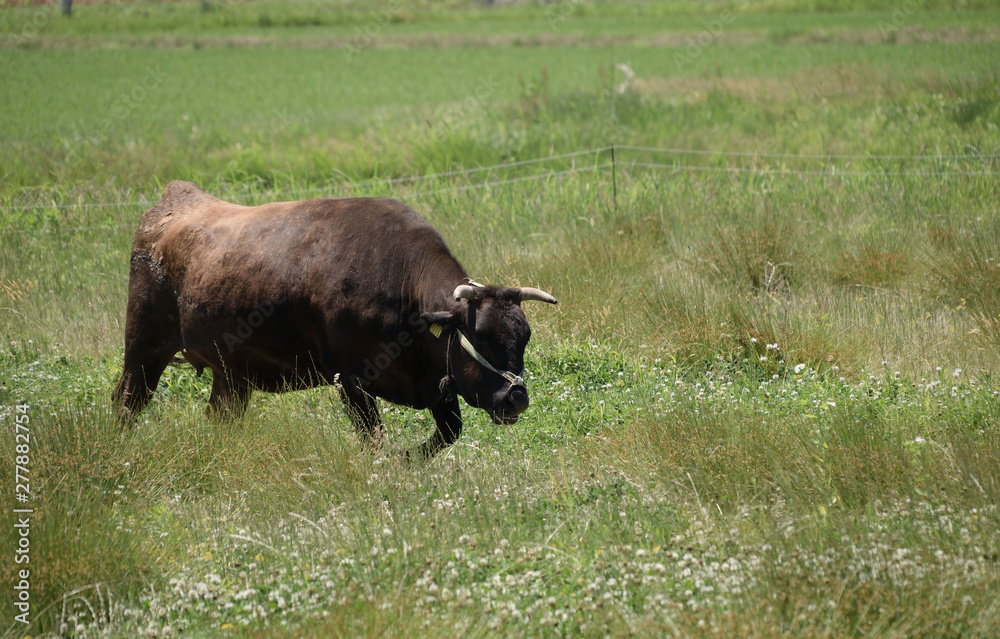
x: 834, y: 165
x: 832, y: 171
x: 801, y: 156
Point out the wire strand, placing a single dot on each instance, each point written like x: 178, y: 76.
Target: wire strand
x: 830, y: 171
x: 804, y: 156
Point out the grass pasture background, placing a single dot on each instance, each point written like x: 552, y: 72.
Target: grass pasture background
x: 767, y: 402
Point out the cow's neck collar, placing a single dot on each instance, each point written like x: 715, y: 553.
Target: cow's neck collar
x: 515, y: 380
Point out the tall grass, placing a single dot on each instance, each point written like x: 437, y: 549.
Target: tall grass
x: 766, y: 403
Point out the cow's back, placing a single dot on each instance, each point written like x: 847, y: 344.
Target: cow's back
x: 359, y: 241
x: 335, y: 276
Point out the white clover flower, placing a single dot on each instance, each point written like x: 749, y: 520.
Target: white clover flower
x: 799, y: 368
x: 957, y: 373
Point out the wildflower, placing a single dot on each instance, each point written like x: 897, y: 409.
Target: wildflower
x: 799, y: 368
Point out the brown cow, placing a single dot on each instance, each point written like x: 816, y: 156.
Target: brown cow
x: 359, y: 292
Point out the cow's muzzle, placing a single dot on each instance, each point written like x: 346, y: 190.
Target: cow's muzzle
x: 515, y: 403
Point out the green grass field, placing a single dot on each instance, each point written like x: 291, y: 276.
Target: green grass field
x: 768, y: 402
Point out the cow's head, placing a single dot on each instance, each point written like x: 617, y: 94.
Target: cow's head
x: 486, y: 337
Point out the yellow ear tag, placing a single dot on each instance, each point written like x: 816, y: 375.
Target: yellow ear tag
x: 436, y: 329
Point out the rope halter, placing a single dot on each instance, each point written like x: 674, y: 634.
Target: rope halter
x: 515, y: 380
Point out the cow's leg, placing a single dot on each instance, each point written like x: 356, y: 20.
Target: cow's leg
x: 448, y: 419
x: 363, y: 411
x: 152, y: 337
x: 140, y: 375
x: 228, y: 400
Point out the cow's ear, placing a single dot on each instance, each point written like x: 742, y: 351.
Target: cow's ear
x: 438, y: 321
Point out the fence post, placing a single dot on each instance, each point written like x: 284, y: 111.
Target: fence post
x: 67, y: 8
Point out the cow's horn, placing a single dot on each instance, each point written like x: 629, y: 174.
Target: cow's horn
x: 529, y: 293
x: 465, y: 292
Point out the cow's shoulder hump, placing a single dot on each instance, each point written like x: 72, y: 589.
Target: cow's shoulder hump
x: 179, y: 196
x: 180, y: 199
